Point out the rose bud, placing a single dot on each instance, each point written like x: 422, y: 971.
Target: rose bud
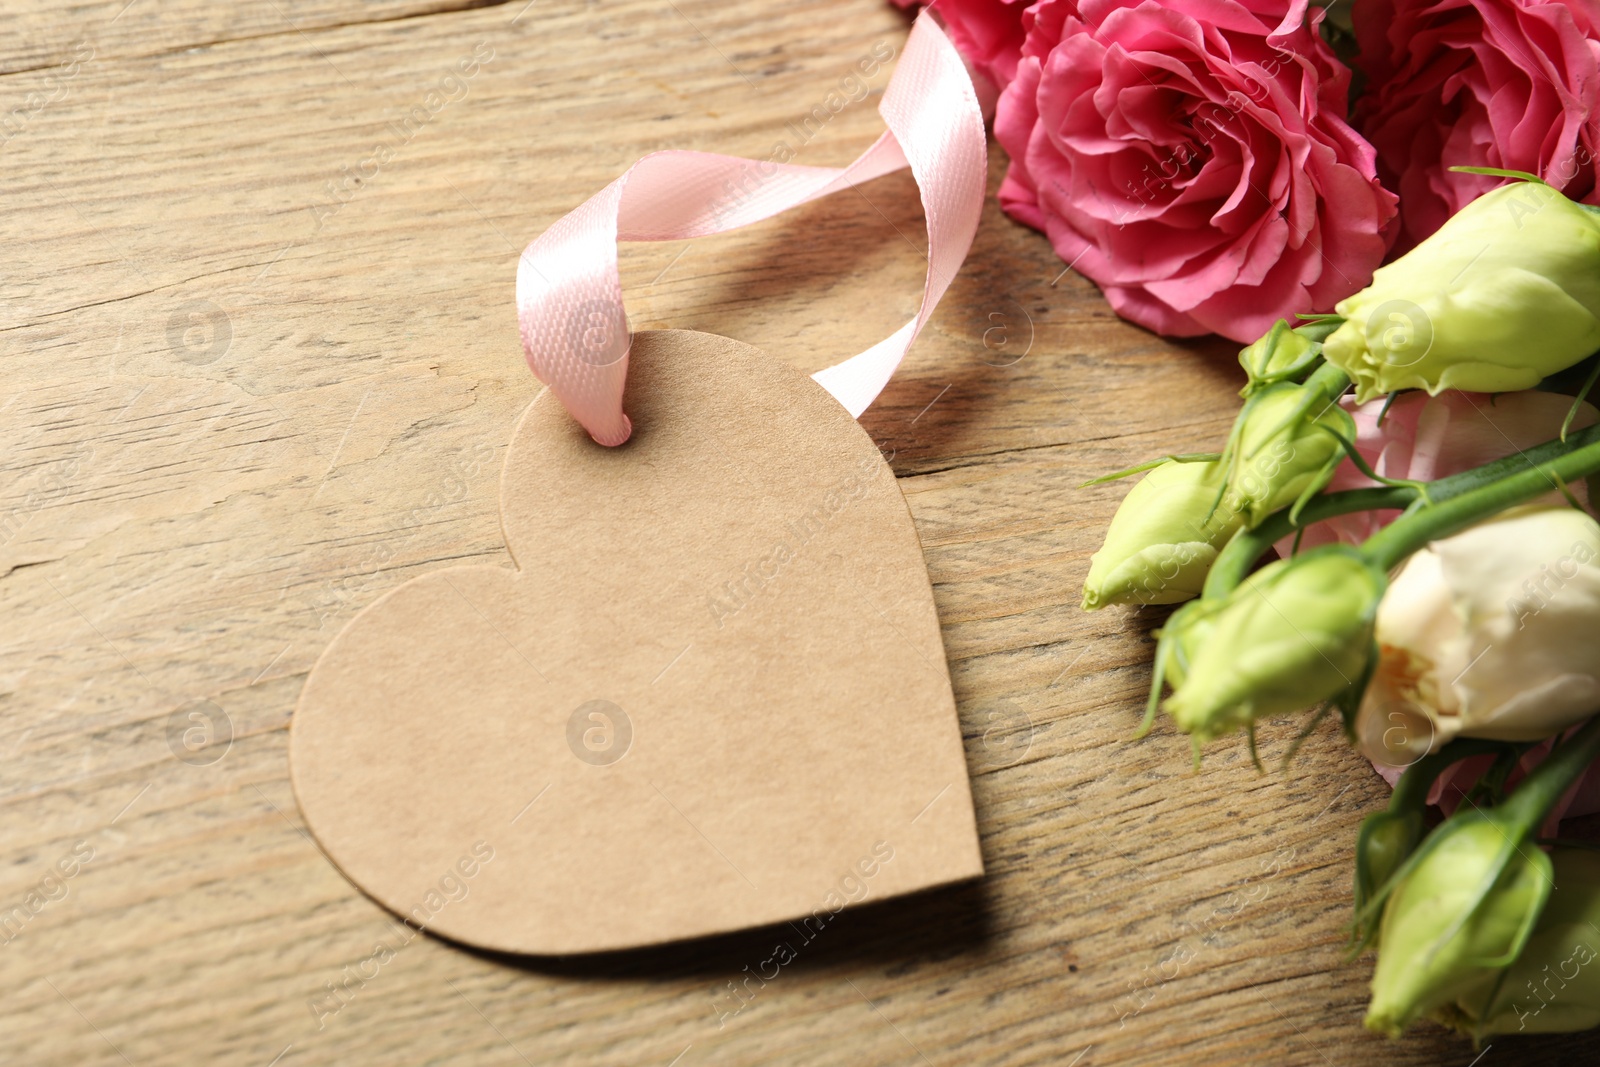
x: 1295, y: 633
x: 1507, y: 292
x: 1553, y: 986
x: 1462, y: 912
x: 1282, y: 449
x: 1491, y: 634
x: 1163, y: 538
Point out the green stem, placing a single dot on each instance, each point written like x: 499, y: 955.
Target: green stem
x: 1501, y: 172
x: 1538, y: 793
x: 1412, y: 531
x: 1330, y: 382
x: 1577, y: 401
x: 1411, y: 792
x: 1490, y: 788
x: 1457, y: 484
x: 1182, y: 457
x: 1319, y: 330
x: 1233, y: 563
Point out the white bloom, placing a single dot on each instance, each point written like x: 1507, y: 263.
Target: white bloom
x: 1492, y: 633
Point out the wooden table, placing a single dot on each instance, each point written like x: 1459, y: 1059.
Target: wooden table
x: 244, y: 349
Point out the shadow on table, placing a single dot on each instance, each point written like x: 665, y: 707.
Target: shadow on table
x: 935, y: 924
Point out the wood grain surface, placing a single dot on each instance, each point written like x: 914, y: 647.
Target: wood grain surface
x: 256, y: 313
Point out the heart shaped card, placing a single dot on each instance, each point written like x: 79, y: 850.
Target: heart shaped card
x: 712, y: 693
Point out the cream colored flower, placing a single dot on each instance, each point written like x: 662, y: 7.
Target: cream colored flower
x: 1492, y: 633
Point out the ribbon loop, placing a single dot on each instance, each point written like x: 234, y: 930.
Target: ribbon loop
x: 569, y: 292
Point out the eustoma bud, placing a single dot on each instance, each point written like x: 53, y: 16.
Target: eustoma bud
x: 1491, y: 634
x: 1160, y: 545
x: 1507, y: 292
x: 1388, y: 838
x: 1168, y: 530
x: 1282, y: 354
x: 1462, y: 913
x: 1297, y: 632
x: 1554, y: 984
x: 1281, y: 449
x: 1463, y: 908
x: 1300, y: 631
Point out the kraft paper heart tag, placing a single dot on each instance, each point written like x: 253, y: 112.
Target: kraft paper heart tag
x: 711, y: 695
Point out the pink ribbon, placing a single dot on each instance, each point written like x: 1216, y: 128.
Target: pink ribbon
x: 569, y: 293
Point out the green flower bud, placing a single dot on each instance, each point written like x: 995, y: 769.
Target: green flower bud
x: 1186, y: 632
x: 1279, y: 453
x: 1462, y: 913
x: 1296, y: 632
x: 1553, y: 986
x: 1388, y: 838
x: 1163, y: 539
x: 1280, y: 355
x: 1506, y: 293
x: 1385, y: 841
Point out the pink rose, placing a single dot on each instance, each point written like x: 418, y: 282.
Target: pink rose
x: 987, y: 32
x: 1486, y: 83
x: 1190, y: 156
x: 1423, y: 438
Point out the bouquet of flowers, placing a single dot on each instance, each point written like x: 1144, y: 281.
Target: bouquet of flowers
x: 1444, y: 602
x: 1416, y: 274
x: 1203, y: 161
